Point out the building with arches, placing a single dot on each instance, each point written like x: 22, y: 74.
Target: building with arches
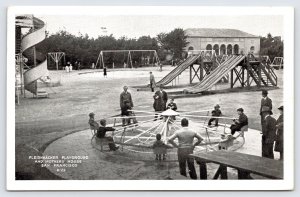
x: 223, y: 41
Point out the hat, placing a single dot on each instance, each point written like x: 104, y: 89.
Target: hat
x: 264, y: 92
x: 240, y: 109
x: 217, y: 106
x: 281, y: 107
x: 91, y: 114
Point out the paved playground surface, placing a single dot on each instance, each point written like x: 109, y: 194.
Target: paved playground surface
x: 40, y: 122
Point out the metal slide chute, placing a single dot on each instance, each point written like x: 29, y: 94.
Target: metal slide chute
x: 35, y: 36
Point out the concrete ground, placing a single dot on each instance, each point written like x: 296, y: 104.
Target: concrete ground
x: 41, y: 121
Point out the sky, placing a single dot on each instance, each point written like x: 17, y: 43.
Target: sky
x: 136, y: 26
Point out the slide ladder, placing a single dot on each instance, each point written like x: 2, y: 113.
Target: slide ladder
x: 36, y: 35
x: 217, y: 74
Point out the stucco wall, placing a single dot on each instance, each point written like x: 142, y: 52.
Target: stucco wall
x: 243, y: 43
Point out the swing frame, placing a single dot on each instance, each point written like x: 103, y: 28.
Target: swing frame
x: 101, y: 62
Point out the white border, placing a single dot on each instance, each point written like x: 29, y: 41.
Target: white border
x: 286, y: 184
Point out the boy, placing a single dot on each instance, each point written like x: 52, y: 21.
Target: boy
x: 93, y: 124
x: 101, y: 131
x: 173, y: 107
x: 217, y: 113
x: 238, y: 124
x: 160, y: 148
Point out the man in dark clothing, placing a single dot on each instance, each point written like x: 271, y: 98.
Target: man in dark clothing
x: 265, y: 101
x: 160, y: 100
x: 269, y: 133
x: 238, y: 124
x: 216, y: 112
x: 279, y: 134
x: 101, y: 134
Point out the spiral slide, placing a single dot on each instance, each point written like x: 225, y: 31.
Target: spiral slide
x: 217, y: 74
x: 31, y: 76
x: 178, y: 70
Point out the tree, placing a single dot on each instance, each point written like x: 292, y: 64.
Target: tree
x: 271, y: 46
x: 174, y: 42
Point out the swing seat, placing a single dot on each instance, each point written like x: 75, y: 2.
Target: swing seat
x: 226, y: 142
x: 102, y: 142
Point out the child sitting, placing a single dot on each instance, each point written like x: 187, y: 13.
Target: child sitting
x: 240, y: 122
x: 160, y: 148
x: 172, y: 106
x: 217, y: 113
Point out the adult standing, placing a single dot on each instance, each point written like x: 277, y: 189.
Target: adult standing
x: 279, y: 134
x: 185, y: 147
x: 125, y: 99
x: 269, y: 133
x: 152, y: 82
x: 267, y: 102
x: 160, y: 99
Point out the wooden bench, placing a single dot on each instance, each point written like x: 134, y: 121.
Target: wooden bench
x: 245, y: 164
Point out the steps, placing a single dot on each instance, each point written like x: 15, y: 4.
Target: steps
x: 267, y: 76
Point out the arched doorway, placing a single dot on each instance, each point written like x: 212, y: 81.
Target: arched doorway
x: 236, y: 49
x: 223, y: 49
x: 229, y: 49
x: 216, y: 48
x: 209, y: 47
x: 252, y: 49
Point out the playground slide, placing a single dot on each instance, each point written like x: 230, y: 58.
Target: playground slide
x: 36, y: 36
x: 178, y: 70
x: 216, y: 74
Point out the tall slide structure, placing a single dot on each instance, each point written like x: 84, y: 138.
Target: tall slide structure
x: 38, y: 69
x: 217, y: 74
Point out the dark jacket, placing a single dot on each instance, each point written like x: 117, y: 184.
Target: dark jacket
x: 269, y: 132
x: 102, y: 131
x: 279, y: 134
x: 160, y: 100
x: 216, y: 112
x: 242, y: 121
x: 172, y: 106
x: 265, y: 102
x: 125, y: 97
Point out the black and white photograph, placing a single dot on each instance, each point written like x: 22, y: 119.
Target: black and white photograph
x: 154, y: 98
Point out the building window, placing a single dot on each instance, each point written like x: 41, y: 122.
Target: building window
x: 223, y: 49
x: 229, y: 49
x: 236, y: 49
x: 190, y: 48
x: 209, y: 47
x: 216, y: 48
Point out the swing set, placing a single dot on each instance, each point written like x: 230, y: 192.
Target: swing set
x: 56, y: 57
x: 128, y: 60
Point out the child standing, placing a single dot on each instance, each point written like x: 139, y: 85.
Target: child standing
x: 159, y: 148
x: 173, y: 107
x: 217, y: 113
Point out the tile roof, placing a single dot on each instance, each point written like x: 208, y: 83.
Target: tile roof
x: 214, y: 33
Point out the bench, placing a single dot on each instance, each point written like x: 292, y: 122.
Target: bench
x: 245, y: 164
